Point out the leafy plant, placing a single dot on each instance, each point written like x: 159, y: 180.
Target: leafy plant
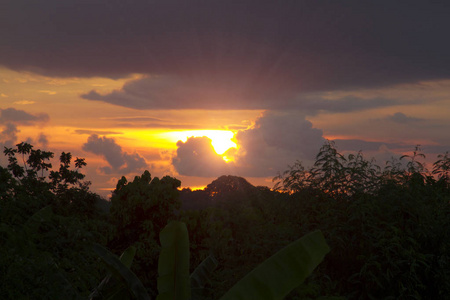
x: 273, y: 279
x: 389, y: 235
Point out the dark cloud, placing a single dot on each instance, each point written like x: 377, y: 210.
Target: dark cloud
x: 196, y: 157
x: 314, y: 104
x: 16, y: 116
x: 357, y: 145
x: 145, y: 94
x: 220, y: 51
x: 118, y: 160
x: 399, y: 117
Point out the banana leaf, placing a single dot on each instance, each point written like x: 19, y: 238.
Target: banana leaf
x: 110, y: 288
x: 122, y: 271
x: 284, y: 271
x: 173, y: 263
x: 201, y: 275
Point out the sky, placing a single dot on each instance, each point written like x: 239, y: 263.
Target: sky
x: 199, y: 89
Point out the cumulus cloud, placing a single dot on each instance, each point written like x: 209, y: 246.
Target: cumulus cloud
x: 16, y: 116
x: 196, y: 157
x: 118, y: 160
x: 276, y: 140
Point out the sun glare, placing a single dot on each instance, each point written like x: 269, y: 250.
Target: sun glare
x: 221, y: 140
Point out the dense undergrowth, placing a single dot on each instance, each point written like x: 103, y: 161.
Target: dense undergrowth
x: 388, y: 228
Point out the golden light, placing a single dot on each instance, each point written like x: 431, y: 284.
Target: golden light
x: 221, y: 140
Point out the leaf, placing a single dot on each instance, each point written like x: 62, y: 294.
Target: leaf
x: 109, y: 288
x: 281, y: 273
x: 173, y: 263
x: 120, y: 270
x: 202, y: 273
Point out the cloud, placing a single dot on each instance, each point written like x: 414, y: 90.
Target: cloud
x: 135, y: 119
x: 8, y: 135
x: 118, y: 160
x: 276, y: 140
x: 10, y: 118
x: 148, y: 122
x: 96, y: 132
x: 196, y: 157
x: 43, y: 140
x: 24, y: 102
x: 315, y: 103
x: 242, y: 49
x: 399, y: 117
x: 159, y: 93
x: 356, y: 145
x: 12, y: 115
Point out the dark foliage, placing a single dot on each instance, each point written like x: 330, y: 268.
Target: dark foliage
x: 388, y: 228
x: 47, y: 224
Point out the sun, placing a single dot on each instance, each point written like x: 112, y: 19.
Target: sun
x: 221, y: 140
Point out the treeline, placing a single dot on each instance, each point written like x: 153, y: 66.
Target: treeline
x: 388, y: 228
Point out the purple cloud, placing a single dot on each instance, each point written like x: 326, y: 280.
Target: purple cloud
x: 118, y: 160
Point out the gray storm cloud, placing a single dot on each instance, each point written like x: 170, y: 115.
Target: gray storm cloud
x: 248, y: 53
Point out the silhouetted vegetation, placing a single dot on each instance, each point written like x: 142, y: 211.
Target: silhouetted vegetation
x: 388, y: 227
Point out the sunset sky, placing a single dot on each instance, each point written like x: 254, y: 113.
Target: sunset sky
x: 169, y: 86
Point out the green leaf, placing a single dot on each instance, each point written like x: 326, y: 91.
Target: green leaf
x: 173, y: 263
x: 120, y: 270
x: 109, y: 288
x: 202, y: 273
x: 281, y: 273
